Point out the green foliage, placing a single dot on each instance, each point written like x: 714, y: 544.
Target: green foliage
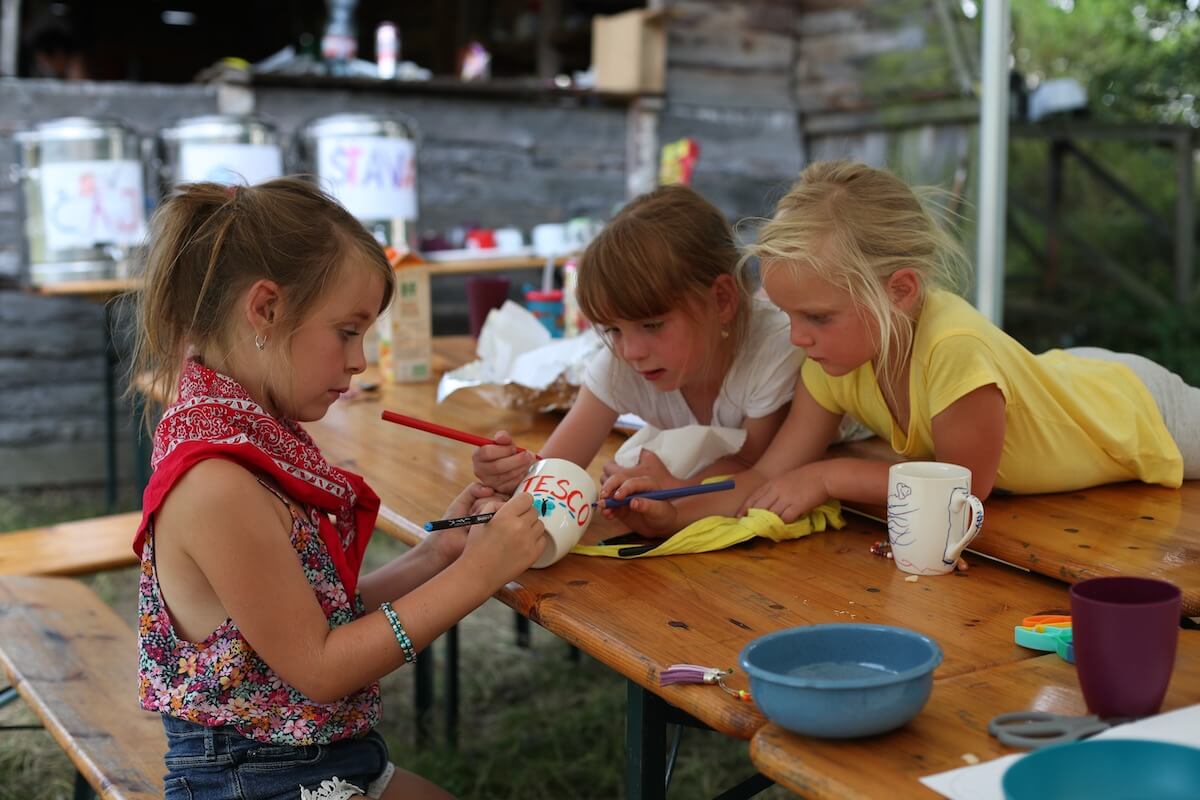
x: 1137, y: 57
x: 1138, y: 61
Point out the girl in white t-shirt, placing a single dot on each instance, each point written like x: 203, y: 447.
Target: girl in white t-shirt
x: 686, y: 343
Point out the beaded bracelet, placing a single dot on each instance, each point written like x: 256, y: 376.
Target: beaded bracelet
x: 410, y: 655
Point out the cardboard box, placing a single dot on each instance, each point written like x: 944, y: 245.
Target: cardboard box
x: 406, y: 329
x: 629, y: 51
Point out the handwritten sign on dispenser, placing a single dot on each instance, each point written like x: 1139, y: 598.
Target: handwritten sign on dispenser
x: 89, y: 203
x: 373, y: 177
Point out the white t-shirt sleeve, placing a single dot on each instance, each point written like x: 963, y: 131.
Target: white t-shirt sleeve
x: 600, y: 377
x: 764, y: 375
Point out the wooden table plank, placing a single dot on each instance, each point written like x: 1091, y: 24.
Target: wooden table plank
x: 1119, y: 529
x: 640, y: 616
x: 952, y: 724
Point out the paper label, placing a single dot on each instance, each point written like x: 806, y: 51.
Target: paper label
x: 89, y: 203
x: 229, y: 163
x: 373, y: 177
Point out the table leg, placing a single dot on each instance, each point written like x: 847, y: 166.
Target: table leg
x: 748, y: 788
x: 523, y: 630
x: 110, y: 413
x: 423, y: 694
x: 645, y: 745
x: 452, y: 687
x: 83, y: 790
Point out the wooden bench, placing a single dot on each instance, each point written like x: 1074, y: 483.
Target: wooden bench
x: 71, y: 548
x: 74, y: 662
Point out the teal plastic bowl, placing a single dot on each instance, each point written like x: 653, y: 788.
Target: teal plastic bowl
x: 1106, y: 769
x: 841, y: 681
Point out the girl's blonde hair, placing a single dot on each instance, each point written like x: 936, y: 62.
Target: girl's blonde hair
x: 209, y: 242
x: 663, y: 251
x: 854, y: 226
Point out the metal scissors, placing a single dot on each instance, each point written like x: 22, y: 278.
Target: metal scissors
x: 1035, y: 729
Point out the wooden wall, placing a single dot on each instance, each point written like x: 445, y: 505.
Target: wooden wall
x: 766, y: 86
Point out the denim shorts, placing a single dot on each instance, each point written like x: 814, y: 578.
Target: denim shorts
x: 221, y: 764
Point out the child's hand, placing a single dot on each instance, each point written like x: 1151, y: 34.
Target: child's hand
x: 790, y: 495
x: 649, y: 466
x: 501, y: 466
x: 507, y: 545
x: 468, y: 500
x: 447, y: 545
x: 656, y: 518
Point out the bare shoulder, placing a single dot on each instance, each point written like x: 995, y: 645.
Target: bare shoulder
x: 216, y: 499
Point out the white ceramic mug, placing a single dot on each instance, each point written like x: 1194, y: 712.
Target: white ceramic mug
x: 563, y: 496
x: 550, y: 239
x: 931, y: 514
x: 509, y: 239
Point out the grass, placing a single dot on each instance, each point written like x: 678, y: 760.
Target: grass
x: 533, y: 723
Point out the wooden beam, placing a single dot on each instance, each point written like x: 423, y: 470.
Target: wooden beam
x: 1132, y: 283
x: 1118, y: 187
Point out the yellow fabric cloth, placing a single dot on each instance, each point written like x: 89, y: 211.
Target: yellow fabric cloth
x: 717, y: 533
x: 1070, y: 422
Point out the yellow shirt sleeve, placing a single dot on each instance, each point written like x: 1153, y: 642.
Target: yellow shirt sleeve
x: 820, y: 387
x: 958, y: 365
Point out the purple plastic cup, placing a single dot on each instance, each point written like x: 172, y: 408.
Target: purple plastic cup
x: 484, y: 294
x: 1124, y: 632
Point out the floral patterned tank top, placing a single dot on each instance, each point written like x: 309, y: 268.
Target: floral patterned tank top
x: 222, y: 681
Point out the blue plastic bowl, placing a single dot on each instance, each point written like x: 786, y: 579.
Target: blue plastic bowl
x: 841, y: 681
x: 1107, y: 769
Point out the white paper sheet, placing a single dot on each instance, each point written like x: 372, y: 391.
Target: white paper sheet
x: 515, y: 349
x: 984, y: 781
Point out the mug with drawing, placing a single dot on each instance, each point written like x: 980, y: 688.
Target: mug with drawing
x: 931, y: 515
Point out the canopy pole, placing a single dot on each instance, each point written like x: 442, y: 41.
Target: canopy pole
x: 993, y: 160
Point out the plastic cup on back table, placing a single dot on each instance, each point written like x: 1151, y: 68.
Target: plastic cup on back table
x: 483, y: 294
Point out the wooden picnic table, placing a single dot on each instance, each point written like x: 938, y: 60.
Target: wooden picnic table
x: 953, y: 724
x: 640, y: 616
x: 1120, y: 529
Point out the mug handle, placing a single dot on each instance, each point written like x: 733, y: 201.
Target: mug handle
x: 954, y: 549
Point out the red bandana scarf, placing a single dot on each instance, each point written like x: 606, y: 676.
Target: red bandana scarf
x: 214, y: 417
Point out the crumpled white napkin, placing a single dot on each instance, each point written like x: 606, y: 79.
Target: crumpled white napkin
x: 515, y: 349
x: 684, y: 451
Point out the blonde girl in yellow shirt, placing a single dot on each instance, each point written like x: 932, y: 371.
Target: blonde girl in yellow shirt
x: 867, y: 276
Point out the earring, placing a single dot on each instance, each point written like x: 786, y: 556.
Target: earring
x: 724, y: 333
x: 260, y: 341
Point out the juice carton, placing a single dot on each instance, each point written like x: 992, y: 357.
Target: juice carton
x: 406, y: 327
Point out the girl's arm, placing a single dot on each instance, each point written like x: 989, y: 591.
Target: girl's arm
x: 435, y: 552
x: 577, y: 438
x: 583, y: 430
x: 805, y: 434
x: 230, y: 528
x: 970, y: 432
